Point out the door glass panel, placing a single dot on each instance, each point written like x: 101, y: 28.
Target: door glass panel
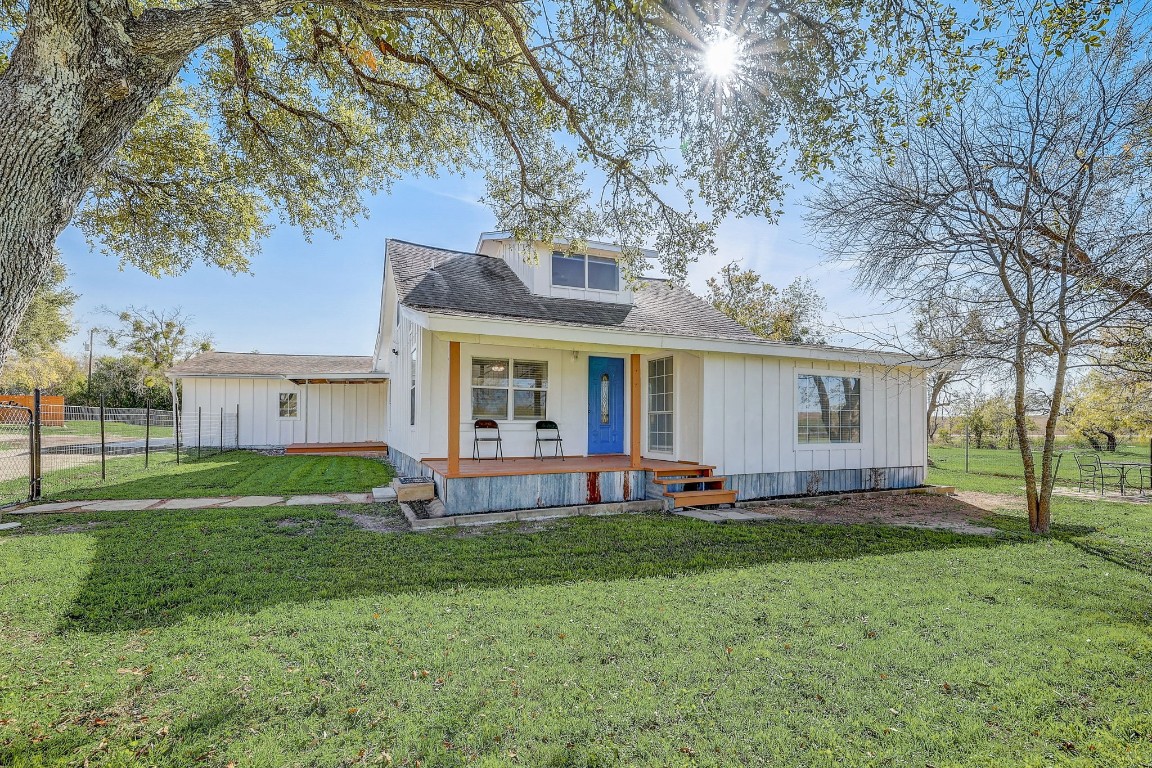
x: 604, y: 399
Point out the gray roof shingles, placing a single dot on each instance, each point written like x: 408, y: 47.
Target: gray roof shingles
x: 257, y: 364
x: 457, y: 283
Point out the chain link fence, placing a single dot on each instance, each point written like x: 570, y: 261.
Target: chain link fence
x: 76, y: 446
x: 16, y: 451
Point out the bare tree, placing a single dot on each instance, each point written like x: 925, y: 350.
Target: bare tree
x: 1031, y: 204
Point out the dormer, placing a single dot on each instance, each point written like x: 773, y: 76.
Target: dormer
x: 593, y: 273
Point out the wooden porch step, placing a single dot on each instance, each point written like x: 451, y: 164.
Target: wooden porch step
x: 692, y: 480
x: 701, y: 498
x: 699, y: 470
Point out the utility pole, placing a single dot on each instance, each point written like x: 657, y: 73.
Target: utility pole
x: 91, y: 341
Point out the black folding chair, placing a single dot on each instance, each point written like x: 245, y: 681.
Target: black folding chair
x: 548, y: 432
x: 486, y: 431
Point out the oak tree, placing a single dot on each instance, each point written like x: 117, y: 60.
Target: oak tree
x: 172, y: 132
x: 792, y: 314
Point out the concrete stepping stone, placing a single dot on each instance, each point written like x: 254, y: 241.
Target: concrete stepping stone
x: 190, y: 503
x: 8, y: 526
x: 55, y: 506
x: 119, y: 505
x: 708, y: 517
x: 253, y: 501
x: 384, y: 493
x: 300, y: 501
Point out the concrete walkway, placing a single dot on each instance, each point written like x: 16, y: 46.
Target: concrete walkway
x: 133, y: 505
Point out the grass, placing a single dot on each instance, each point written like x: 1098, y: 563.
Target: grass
x: 236, y: 473
x: 112, y: 429
x: 1119, y: 532
x: 1007, y: 463
x: 293, y: 638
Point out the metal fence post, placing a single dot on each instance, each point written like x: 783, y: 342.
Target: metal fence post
x: 237, y: 426
x: 199, y: 424
x: 36, y: 475
x: 147, y: 429
x: 221, y: 429
x: 176, y: 428
x: 103, y: 446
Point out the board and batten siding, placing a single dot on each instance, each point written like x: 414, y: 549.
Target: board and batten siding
x: 327, y: 413
x: 749, y: 417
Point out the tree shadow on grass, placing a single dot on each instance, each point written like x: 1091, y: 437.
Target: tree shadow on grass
x: 156, y: 569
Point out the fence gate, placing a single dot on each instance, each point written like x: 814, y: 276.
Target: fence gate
x: 17, y: 454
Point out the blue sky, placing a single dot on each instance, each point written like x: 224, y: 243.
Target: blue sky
x: 323, y: 296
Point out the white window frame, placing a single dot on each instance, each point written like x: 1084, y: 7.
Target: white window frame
x: 587, y: 261
x: 295, y: 406
x: 413, y: 365
x: 670, y: 393
x: 796, y: 374
x: 510, y: 387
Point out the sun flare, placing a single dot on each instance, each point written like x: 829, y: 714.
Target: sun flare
x: 722, y: 56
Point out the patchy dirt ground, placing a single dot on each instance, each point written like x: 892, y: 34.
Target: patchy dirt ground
x: 381, y: 521
x: 963, y: 513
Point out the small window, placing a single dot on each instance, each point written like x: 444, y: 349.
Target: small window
x: 827, y: 409
x: 660, y: 405
x: 603, y: 274
x: 568, y: 269
x: 288, y: 405
x: 501, y: 384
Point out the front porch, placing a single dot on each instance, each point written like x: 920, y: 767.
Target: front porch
x: 511, y: 467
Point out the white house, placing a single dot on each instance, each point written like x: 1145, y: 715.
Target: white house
x: 656, y: 395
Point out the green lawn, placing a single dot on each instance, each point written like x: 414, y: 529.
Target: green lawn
x: 112, y: 429
x: 235, y: 473
x: 1007, y: 463
x: 289, y: 637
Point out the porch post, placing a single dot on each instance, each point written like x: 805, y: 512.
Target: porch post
x: 453, y: 407
x: 635, y: 428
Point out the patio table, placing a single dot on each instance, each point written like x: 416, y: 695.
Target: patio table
x: 1124, y: 467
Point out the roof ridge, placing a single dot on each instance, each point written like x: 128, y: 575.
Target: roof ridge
x: 432, y: 247
x: 276, y: 354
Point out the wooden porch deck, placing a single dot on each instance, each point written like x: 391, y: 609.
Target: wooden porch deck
x: 523, y: 465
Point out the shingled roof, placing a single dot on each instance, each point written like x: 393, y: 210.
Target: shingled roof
x: 458, y: 283
x: 257, y: 364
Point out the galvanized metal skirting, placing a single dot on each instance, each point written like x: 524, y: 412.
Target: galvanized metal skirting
x: 768, y: 485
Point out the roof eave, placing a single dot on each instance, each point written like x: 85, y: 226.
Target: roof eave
x: 545, y: 331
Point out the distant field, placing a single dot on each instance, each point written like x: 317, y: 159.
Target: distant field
x: 1007, y: 463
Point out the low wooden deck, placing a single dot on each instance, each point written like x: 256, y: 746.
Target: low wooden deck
x: 518, y: 466
x: 337, y: 449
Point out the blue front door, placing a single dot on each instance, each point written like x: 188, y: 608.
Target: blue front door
x: 605, y: 405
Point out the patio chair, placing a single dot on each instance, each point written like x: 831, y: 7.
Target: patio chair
x: 1094, y: 474
x: 487, y: 431
x: 1145, y: 479
x: 548, y: 432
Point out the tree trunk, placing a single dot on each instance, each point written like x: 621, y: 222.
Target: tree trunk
x: 1092, y: 441
x: 73, y: 91
x: 1048, y: 474
x: 939, y: 382
x: 1110, y: 437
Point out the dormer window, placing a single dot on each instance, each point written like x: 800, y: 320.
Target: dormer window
x: 575, y: 270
